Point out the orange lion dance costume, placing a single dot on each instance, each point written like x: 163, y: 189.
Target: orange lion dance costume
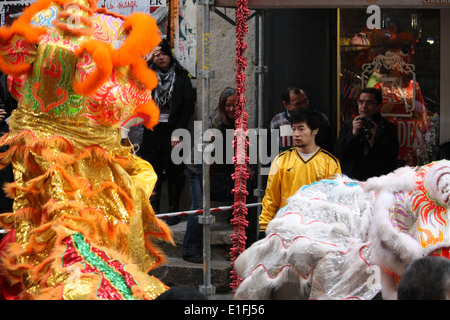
x: 82, y: 225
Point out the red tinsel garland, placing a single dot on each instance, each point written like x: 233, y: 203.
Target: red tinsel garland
x: 240, y: 175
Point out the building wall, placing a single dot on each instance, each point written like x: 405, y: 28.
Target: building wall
x: 222, y: 59
x: 300, y: 48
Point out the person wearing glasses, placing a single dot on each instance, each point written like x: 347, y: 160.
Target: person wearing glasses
x: 367, y: 145
x: 294, y: 98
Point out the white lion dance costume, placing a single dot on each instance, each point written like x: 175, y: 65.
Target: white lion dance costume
x: 82, y: 225
x: 344, y: 239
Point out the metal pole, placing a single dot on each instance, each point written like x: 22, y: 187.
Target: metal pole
x: 260, y: 70
x: 206, y: 219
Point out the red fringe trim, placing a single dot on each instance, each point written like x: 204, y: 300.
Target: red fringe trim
x: 240, y: 176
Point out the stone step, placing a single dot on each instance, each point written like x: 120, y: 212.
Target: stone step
x: 220, y: 240
x: 180, y: 272
x: 177, y: 271
x: 220, y: 232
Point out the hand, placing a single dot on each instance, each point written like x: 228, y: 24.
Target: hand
x: 155, y: 52
x: 357, y: 125
x: 175, y: 141
x: 2, y: 114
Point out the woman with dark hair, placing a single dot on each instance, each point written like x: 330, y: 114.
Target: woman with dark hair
x: 225, y: 108
x: 175, y: 98
x: 220, y: 179
x: 220, y: 172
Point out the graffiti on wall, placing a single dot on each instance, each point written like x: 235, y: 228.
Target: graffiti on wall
x: 185, y: 39
x: 184, y: 21
x: 158, y: 9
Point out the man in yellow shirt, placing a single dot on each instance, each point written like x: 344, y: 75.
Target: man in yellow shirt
x: 301, y: 165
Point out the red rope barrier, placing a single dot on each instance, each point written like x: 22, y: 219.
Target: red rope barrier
x: 241, y: 159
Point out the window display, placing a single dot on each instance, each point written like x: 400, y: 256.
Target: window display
x: 402, y: 59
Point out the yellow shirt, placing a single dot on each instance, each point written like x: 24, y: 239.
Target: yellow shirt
x: 288, y: 173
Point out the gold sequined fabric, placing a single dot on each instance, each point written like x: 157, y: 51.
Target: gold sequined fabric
x: 82, y: 219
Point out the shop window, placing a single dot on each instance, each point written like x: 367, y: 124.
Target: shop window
x: 402, y: 59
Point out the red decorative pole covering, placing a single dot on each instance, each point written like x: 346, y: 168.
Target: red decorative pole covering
x: 241, y: 159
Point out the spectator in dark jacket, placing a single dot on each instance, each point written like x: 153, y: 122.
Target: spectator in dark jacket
x: 175, y: 97
x: 368, y: 145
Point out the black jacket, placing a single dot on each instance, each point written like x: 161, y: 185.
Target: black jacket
x: 380, y: 159
x: 183, y: 100
x: 181, y: 110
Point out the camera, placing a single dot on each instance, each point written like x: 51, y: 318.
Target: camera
x: 364, y: 133
x: 367, y: 123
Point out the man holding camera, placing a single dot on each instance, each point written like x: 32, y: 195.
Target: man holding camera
x: 368, y: 145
